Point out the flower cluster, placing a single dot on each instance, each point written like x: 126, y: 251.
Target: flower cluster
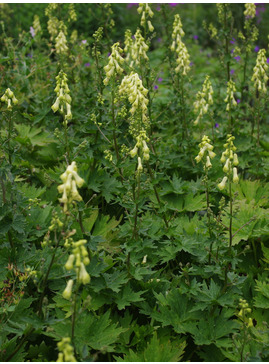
x: 36, y: 25
x: 177, y: 32
x: 244, y: 312
x: 183, y: 57
x: 69, y: 190
x: 66, y: 353
x: 132, y: 86
x: 72, y: 16
x: 77, y: 261
x: 250, y: 11
x: 230, y: 160
x: 230, y: 100
x: 139, y: 48
x: 53, y: 22
x: 260, y: 77
x: 206, y: 150
x: 203, y: 100
x: 61, y: 43
x: 63, y: 101
x: 146, y: 11
x: 128, y: 43
x: 141, y: 149
x: 8, y: 98
x: 115, y: 60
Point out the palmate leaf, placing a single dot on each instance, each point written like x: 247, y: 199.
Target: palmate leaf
x: 115, y: 280
x: 187, y: 202
x: 98, y: 333
x: 252, y: 191
x: 211, y: 327
x: 245, y: 221
x: 157, y: 350
x: 175, y: 310
x: 127, y: 296
x: 262, y: 298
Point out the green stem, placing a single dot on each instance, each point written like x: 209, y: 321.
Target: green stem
x: 66, y: 142
x: 46, y: 278
x: 157, y: 194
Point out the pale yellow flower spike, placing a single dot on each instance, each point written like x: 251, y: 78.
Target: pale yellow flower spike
x: 9, y: 98
x: 66, y: 351
x: 260, y: 77
x: 63, y: 101
x: 230, y: 160
x: 206, y: 150
x: 114, y: 64
x: 69, y: 190
x: 203, y: 100
x: 146, y: 12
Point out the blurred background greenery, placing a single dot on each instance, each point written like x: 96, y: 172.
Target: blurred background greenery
x: 19, y: 17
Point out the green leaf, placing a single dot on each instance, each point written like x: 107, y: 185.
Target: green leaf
x: 157, y: 350
x: 127, y: 296
x: 115, y: 280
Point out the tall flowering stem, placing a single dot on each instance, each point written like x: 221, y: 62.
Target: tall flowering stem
x: 230, y: 102
x: 205, y: 153
x: 112, y: 69
x: 230, y: 160
x: 182, y: 67
x: 259, y: 79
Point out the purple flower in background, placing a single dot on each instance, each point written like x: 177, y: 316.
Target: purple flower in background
x: 267, y: 60
x: 156, y: 87
x: 232, y: 71
x: 130, y: 5
x: 195, y: 37
x: 256, y: 49
x: 191, y: 64
x: 233, y: 41
x: 159, y: 40
x: 232, y: 50
x: 216, y: 125
x: 160, y: 79
x: 238, y: 101
x: 87, y: 64
x: 30, y: 55
x: 32, y: 31
x: 109, y: 54
x: 158, y: 8
x: 237, y: 58
x: 84, y: 41
x: 173, y: 4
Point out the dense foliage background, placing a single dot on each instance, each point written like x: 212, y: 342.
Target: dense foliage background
x: 178, y: 267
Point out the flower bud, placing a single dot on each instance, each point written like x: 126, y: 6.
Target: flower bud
x: 68, y: 290
x: 208, y: 163
x: 235, y: 176
x: 84, y: 276
x: 235, y: 160
x: 222, y: 184
x: 227, y: 166
x: 70, y: 262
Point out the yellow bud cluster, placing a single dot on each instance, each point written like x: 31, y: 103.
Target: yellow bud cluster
x: 72, y: 15
x: 139, y: 48
x: 244, y: 312
x: 141, y: 147
x: 36, y: 24
x: 260, y: 77
x: 183, y: 59
x: 61, y: 43
x: 213, y: 32
x: 203, y: 100
x: 9, y: 98
x: 146, y: 12
x: 66, y: 351
x: 63, y: 101
x: 230, y: 160
x: 132, y: 86
x: 71, y: 181
x: 115, y: 60
x: 250, y: 11
x: 53, y: 24
x: 177, y: 32
x: 206, y: 150
x: 230, y: 100
x: 56, y: 223
x: 77, y: 262
x: 128, y: 43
